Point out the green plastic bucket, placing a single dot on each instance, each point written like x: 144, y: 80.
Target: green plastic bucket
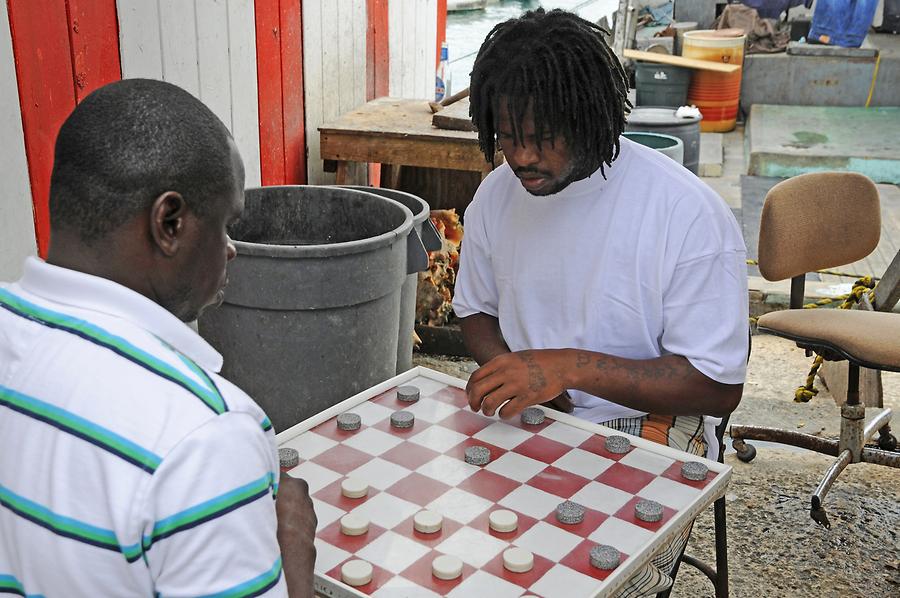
x: 661, y: 84
x: 664, y: 144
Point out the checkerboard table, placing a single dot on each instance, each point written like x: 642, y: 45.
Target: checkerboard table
x: 532, y: 469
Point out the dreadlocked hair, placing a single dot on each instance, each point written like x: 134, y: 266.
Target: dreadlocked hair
x: 561, y: 66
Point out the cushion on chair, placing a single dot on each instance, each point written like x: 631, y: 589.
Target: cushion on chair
x: 818, y: 220
x: 871, y: 339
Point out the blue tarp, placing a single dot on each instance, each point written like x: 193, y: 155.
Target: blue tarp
x: 842, y: 22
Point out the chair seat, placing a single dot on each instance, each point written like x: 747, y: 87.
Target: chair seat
x: 871, y: 339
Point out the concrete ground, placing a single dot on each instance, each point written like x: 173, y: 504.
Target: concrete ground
x: 775, y: 549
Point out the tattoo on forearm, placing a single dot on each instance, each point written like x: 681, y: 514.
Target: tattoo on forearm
x: 536, y: 380
x: 582, y: 360
x: 655, y: 370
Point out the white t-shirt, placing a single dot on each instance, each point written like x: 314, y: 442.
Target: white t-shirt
x: 648, y: 262
x: 127, y: 466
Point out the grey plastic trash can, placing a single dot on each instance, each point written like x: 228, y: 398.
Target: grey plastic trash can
x: 432, y: 242
x: 311, y: 311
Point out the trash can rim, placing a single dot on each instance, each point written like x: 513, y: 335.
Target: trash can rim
x: 329, y: 249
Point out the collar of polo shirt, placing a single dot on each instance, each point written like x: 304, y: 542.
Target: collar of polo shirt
x: 85, y: 291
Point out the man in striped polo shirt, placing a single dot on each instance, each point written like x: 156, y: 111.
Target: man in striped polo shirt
x: 128, y: 467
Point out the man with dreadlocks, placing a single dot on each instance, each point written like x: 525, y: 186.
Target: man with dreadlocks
x: 595, y: 273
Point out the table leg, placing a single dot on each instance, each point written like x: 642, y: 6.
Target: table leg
x: 341, y: 174
x: 390, y: 176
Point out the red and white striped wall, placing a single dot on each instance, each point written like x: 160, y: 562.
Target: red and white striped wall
x: 272, y: 70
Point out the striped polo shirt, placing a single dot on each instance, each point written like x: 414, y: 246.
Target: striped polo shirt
x: 128, y: 467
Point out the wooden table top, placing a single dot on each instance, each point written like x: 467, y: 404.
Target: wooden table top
x: 395, y: 117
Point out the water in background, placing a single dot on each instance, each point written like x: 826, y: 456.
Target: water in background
x: 466, y: 30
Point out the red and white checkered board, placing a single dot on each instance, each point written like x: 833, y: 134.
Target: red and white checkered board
x: 532, y: 470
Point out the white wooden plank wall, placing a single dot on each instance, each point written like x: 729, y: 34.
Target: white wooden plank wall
x: 412, y: 29
x: 17, y: 240
x: 207, y: 47
x: 334, y: 69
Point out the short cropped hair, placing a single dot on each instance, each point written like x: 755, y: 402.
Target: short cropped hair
x: 126, y: 144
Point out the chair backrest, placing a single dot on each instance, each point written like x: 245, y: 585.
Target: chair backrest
x: 818, y: 220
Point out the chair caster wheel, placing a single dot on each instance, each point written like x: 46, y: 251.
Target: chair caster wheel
x: 887, y: 442
x: 745, y: 452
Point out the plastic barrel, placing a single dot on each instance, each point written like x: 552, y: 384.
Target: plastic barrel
x: 665, y: 144
x: 663, y: 120
x: 311, y: 311
x: 717, y: 95
x: 661, y: 84
x: 432, y: 242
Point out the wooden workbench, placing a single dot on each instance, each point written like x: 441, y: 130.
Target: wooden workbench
x: 398, y: 133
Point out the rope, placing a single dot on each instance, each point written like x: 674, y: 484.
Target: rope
x: 864, y: 285
x: 874, y: 77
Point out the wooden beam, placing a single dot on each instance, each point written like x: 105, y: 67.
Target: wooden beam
x: 887, y: 293
x: 691, y: 63
x: 271, y: 115
x: 40, y: 40
x: 94, y: 42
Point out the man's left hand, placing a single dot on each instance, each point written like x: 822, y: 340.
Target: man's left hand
x: 519, y: 379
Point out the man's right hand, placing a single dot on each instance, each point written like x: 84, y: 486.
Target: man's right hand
x: 296, y: 531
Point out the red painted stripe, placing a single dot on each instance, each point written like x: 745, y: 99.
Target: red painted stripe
x: 377, y: 51
x: 94, y: 41
x: 40, y: 42
x: 441, y: 29
x: 378, y: 69
x: 279, y: 66
x: 292, y: 92
x: 268, y: 70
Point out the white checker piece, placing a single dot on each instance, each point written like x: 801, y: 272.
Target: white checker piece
x: 641, y: 459
x: 472, y: 546
x: 386, y: 510
x: 565, y: 433
x: 316, y: 476
x: 503, y: 435
x: 372, y: 441
x: 583, y: 463
x: 309, y: 444
x: 601, y: 497
x: 327, y: 556
x: 447, y: 470
x: 619, y: 534
x: 392, y: 551
x: 459, y: 505
x: 438, y: 439
x: 379, y: 473
x: 398, y: 587
x: 430, y: 410
x: 371, y: 413
x: 484, y: 584
x: 548, y: 541
x: 426, y: 386
x: 562, y: 582
x: 516, y: 467
x: 669, y: 493
x: 326, y: 514
x: 531, y: 501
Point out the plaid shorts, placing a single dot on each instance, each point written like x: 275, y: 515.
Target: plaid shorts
x: 682, y: 432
